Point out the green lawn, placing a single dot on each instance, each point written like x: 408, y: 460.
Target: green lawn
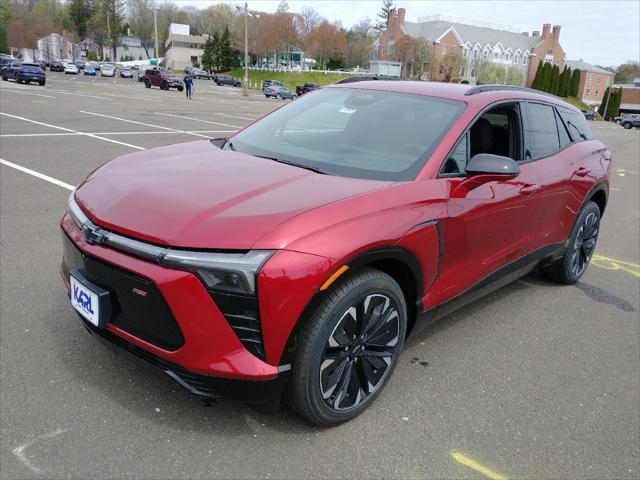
x: 288, y: 79
x: 576, y: 102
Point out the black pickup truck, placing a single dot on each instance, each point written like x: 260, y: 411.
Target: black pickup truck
x: 307, y: 87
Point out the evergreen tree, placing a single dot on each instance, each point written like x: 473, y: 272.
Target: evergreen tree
x: 555, y: 80
x: 565, y: 78
x: 80, y: 12
x: 225, y: 58
x: 575, y: 83
x: 383, y: 15
x: 545, y: 82
x: 5, y: 16
x: 208, y: 55
x: 537, y: 79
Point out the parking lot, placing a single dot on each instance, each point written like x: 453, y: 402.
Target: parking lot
x: 533, y: 381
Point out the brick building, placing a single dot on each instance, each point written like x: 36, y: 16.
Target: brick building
x: 476, y: 43
x: 593, y: 82
x: 630, y: 102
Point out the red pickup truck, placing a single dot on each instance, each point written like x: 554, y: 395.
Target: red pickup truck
x: 163, y: 79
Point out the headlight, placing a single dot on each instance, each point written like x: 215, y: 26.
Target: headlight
x: 224, y: 272
x: 227, y: 272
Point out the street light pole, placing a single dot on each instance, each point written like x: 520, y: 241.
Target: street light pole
x: 155, y: 28
x: 245, y: 91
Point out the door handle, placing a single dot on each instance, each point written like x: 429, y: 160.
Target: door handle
x: 529, y: 189
x: 582, y: 171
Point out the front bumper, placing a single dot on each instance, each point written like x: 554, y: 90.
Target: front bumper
x: 175, y: 319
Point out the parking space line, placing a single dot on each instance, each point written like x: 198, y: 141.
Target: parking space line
x: 197, y: 120
x: 39, y: 175
x: 19, y: 135
x: 614, y: 264
x: 472, y: 464
x: 146, y: 124
x: 73, y: 131
x: 17, y: 90
x: 81, y: 95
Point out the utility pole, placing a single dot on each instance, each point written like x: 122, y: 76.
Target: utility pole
x: 245, y: 91
x: 155, y: 27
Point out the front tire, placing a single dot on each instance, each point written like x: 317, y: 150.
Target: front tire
x: 278, y: 96
x: 581, y: 245
x: 348, y: 348
x: 147, y: 83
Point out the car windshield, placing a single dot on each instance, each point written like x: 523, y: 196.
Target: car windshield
x: 353, y: 132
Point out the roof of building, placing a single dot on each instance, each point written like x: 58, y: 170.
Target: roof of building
x: 471, y: 33
x: 187, y: 39
x: 586, y: 67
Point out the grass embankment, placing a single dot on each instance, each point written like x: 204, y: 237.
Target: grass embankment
x: 288, y: 79
x: 576, y: 102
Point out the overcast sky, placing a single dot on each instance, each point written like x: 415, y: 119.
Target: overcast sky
x: 602, y: 32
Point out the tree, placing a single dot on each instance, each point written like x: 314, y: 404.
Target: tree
x: 613, y: 107
x: 545, y: 82
x: 326, y: 42
x: 141, y: 18
x: 424, y: 53
x: 5, y: 17
x: 208, y: 60
x: 383, y: 15
x: 404, y: 52
x: 575, y: 83
x: 80, y: 12
x: 359, y: 40
x: 537, y: 79
x: 565, y: 82
x: 225, y: 55
x: 555, y: 80
x: 627, y: 72
x: 492, y: 73
x: 450, y: 64
x: 308, y: 20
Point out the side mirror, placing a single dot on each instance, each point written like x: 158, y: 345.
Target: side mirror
x: 489, y: 164
x: 218, y: 142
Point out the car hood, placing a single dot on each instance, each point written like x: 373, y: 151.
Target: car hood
x: 194, y: 195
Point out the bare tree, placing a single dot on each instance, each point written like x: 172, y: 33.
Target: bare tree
x: 359, y: 38
x: 450, y: 64
x: 308, y: 20
x: 423, y: 57
x: 326, y: 42
x: 404, y: 49
x: 141, y: 19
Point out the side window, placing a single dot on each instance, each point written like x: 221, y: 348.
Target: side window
x: 562, y: 131
x: 541, y: 130
x: 457, y: 159
x: 576, y: 124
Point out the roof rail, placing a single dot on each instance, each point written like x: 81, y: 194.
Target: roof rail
x: 496, y: 87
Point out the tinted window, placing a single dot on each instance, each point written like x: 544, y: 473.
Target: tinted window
x: 541, y: 130
x: 353, y: 133
x: 562, y: 131
x: 576, y: 124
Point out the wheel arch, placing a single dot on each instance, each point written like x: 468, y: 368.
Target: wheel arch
x: 397, y: 262
x: 599, y: 195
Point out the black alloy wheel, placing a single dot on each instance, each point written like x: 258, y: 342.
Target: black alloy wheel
x: 584, y: 244
x: 359, y: 351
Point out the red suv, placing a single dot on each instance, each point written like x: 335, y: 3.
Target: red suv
x: 163, y: 79
x: 300, y: 253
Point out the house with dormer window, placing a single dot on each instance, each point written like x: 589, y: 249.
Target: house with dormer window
x: 475, y: 42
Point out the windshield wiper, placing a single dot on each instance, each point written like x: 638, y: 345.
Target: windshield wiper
x: 293, y: 164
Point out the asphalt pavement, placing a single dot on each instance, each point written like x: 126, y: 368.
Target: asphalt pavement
x: 534, y: 381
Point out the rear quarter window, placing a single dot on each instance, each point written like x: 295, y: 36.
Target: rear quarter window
x: 576, y: 124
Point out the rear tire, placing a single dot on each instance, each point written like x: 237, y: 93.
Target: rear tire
x: 4, y: 78
x: 348, y: 348
x: 164, y: 86
x: 180, y: 89
x: 581, y: 245
x: 278, y: 96
x: 627, y: 126
x: 41, y: 84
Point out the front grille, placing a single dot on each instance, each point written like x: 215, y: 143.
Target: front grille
x: 146, y: 317
x: 242, y: 314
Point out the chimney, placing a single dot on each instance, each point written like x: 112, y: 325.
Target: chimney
x: 556, y: 34
x: 546, y: 28
x: 401, y: 12
x: 535, y: 33
x: 392, y: 15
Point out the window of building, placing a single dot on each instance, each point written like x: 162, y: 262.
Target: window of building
x: 443, y: 51
x: 542, y: 131
x: 587, y: 91
x: 596, y: 92
x: 473, y: 73
x: 485, y: 54
x: 441, y: 70
x: 465, y: 53
x: 462, y: 72
x: 516, y: 59
x: 524, y: 60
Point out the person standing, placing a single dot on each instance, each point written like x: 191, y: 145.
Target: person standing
x: 188, y: 83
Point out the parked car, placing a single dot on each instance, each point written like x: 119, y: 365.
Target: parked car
x: 163, y: 79
x: 589, y: 114
x: 5, y: 59
x: 222, y: 80
x: 80, y: 64
x: 24, y: 73
x: 126, y: 72
x: 141, y: 73
x: 56, y: 66
x: 89, y: 70
x: 71, y: 69
x: 278, y: 92
x: 107, y: 70
x: 269, y: 83
x: 294, y: 257
x: 199, y: 73
x: 630, y: 121
x: 307, y: 87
